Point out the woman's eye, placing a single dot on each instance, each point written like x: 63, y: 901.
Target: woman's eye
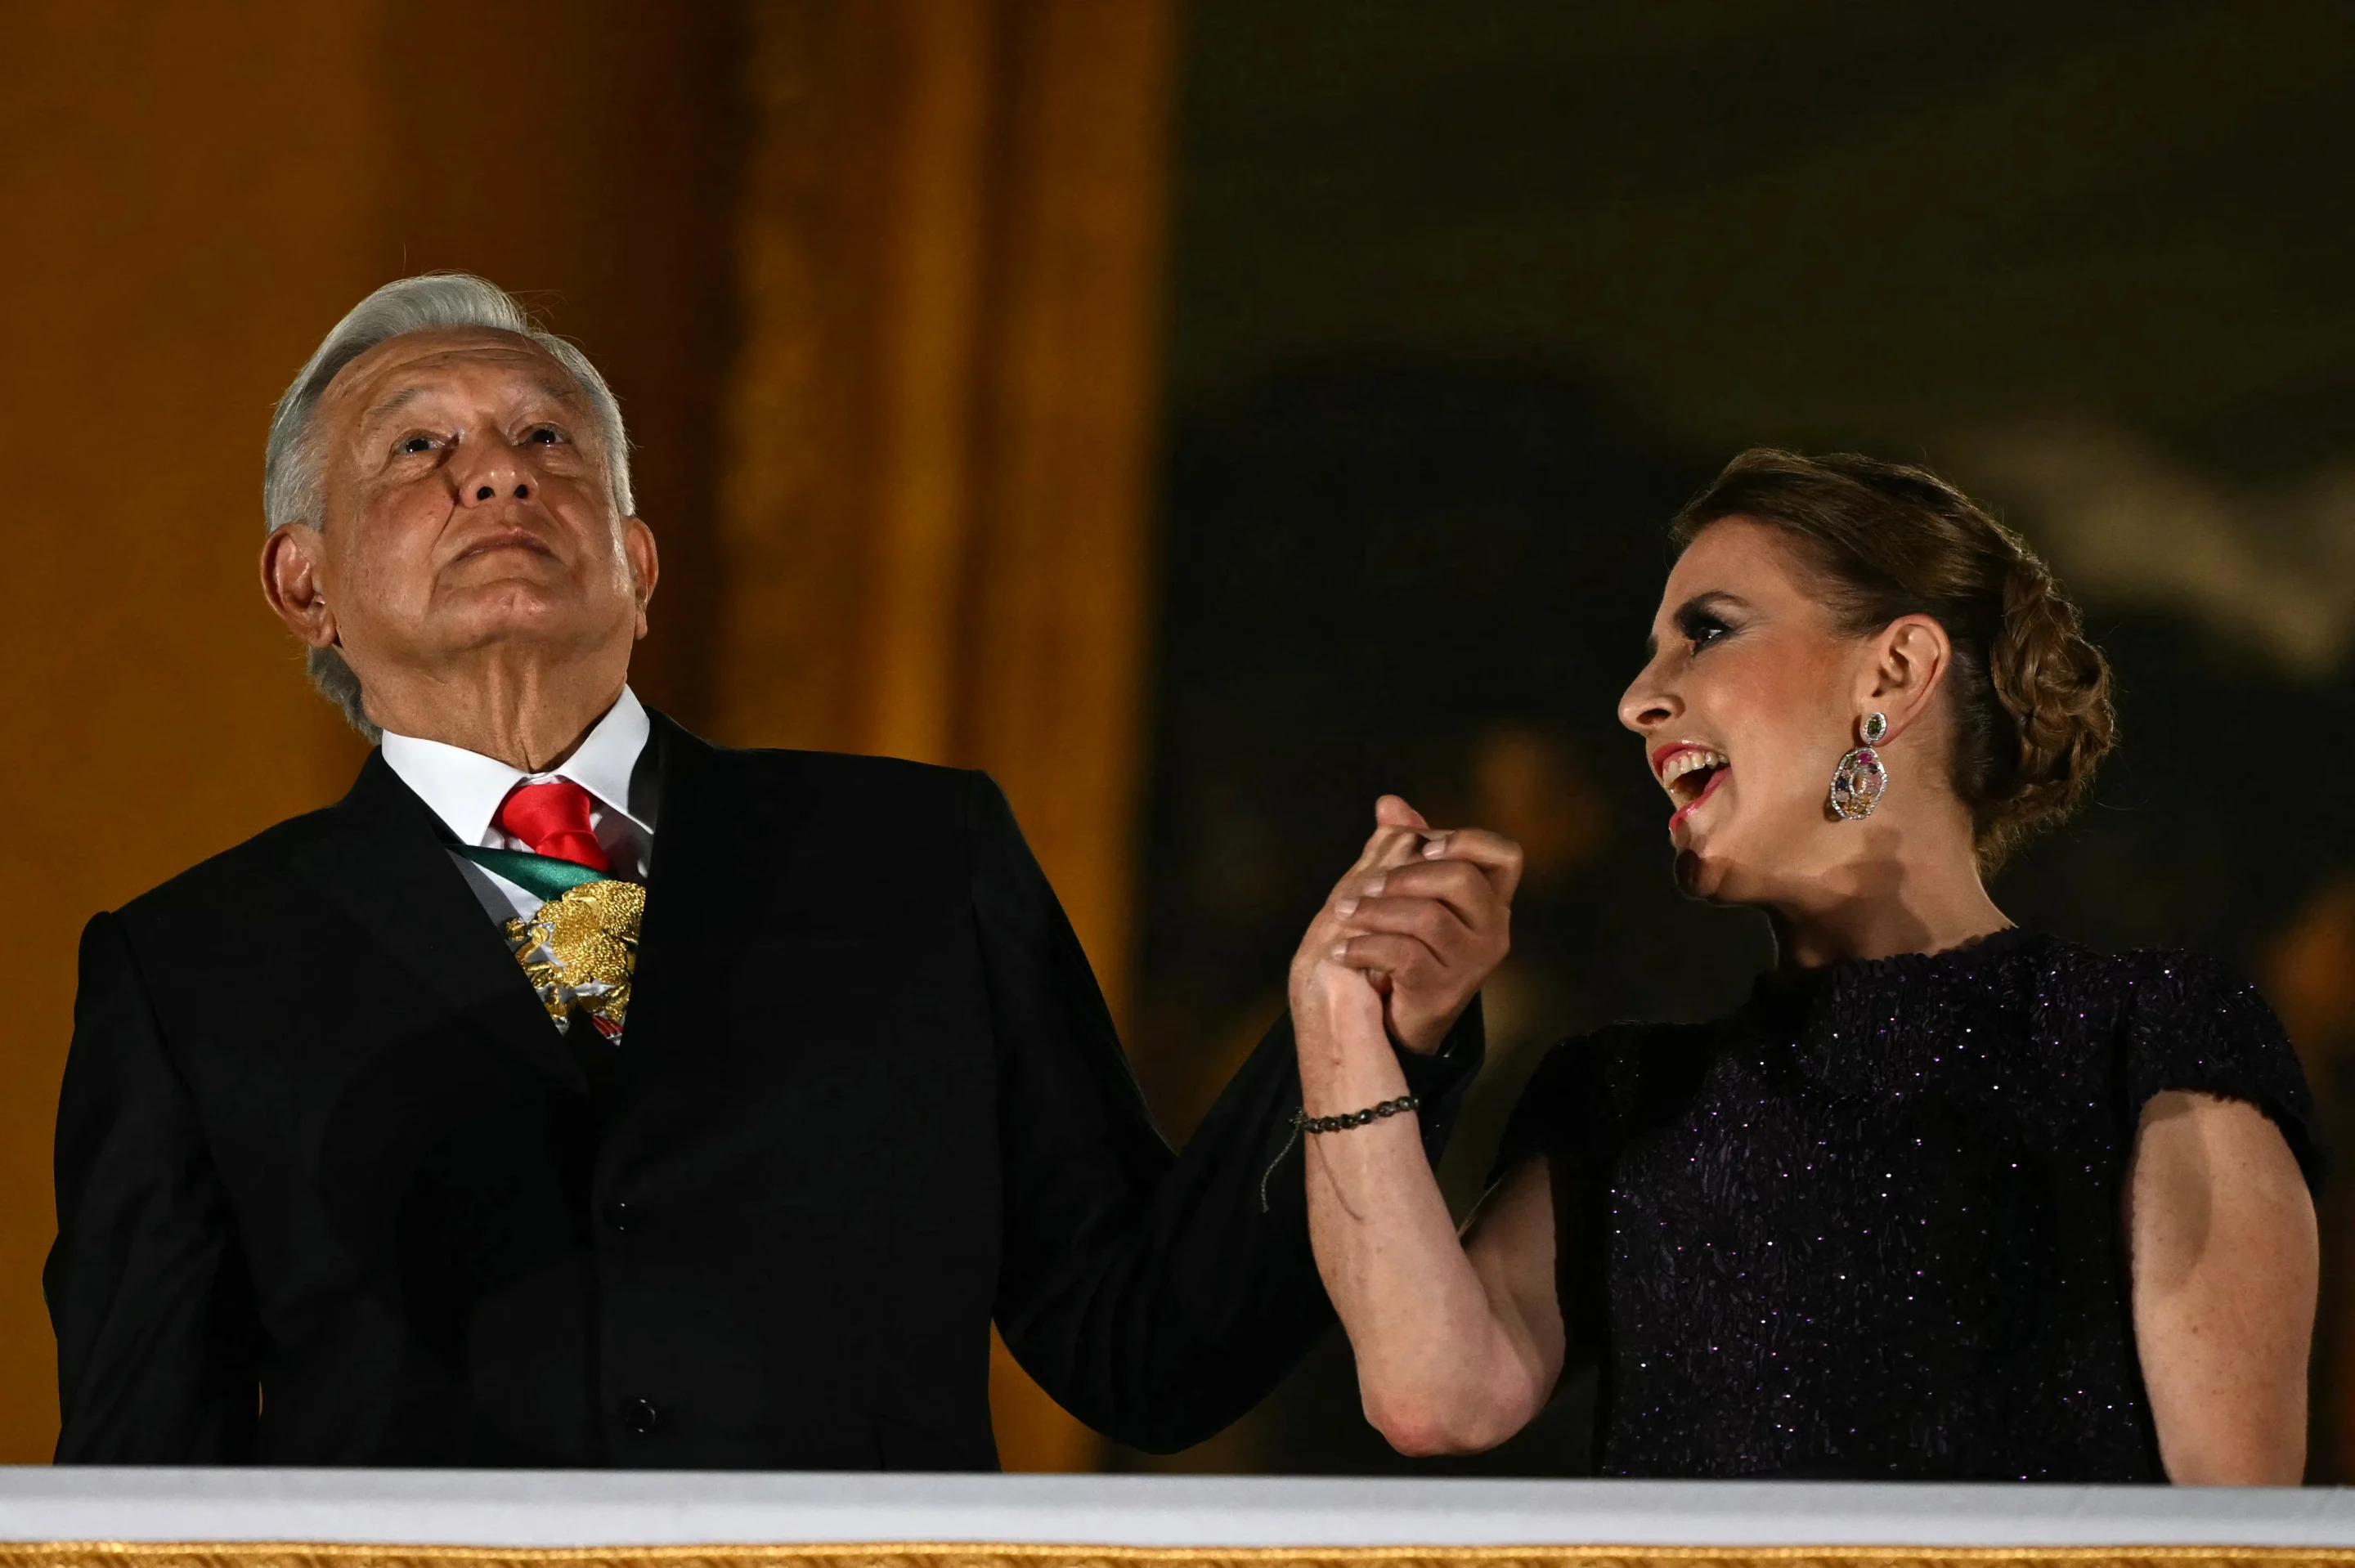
x: 545, y: 435
x: 1702, y: 635
x: 417, y: 444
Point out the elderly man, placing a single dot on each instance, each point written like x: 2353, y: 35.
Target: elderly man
x: 576, y: 1092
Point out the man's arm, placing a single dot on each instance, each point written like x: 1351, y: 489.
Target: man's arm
x: 1158, y: 1297
x: 147, y: 1287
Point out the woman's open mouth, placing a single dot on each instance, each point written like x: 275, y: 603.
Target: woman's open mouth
x: 1690, y: 774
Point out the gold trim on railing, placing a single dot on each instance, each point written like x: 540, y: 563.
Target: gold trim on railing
x: 931, y: 1555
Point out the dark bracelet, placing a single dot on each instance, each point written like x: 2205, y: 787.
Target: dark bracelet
x: 1303, y: 1122
x: 1348, y: 1119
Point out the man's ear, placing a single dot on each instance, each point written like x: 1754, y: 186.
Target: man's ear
x: 1909, y: 662
x: 645, y: 563
x: 290, y: 559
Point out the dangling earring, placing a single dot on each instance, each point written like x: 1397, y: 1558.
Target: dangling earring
x: 1860, y: 781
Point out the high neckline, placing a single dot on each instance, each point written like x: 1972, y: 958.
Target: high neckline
x: 1785, y: 984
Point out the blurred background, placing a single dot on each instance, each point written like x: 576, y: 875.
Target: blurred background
x: 1207, y: 416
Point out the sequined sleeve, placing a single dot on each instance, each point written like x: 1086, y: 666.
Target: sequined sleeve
x: 2194, y: 1024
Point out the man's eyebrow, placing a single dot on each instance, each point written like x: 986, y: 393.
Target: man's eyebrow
x: 558, y: 391
x: 395, y: 404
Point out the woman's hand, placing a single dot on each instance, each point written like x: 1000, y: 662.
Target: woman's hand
x: 1338, y: 1012
x: 1455, y: 1353
x: 1397, y: 840
x: 1426, y: 913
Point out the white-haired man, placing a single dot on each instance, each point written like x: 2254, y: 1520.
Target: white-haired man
x: 575, y: 1092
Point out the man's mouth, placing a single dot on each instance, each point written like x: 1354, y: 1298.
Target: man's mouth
x: 1690, y: 774
x: 507, y: 539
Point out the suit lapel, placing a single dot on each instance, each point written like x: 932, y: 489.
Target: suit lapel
x: 717, y: 852
x: 384, y: 864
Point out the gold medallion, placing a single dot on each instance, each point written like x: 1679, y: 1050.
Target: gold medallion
x: 579, y: 951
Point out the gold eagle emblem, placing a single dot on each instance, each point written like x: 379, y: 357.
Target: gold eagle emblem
x: 579, y: 950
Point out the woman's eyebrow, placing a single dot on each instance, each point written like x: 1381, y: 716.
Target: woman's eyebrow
x: 1704, y: 603
x: 1713, y: 600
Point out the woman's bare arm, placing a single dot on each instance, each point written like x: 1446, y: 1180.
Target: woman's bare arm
x: 2224, y: 1259
x: 1458, y: 1342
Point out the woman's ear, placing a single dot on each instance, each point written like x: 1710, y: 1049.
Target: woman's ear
x: 1909, y: 660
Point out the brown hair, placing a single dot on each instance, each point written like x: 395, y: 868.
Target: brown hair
x: 2031, y: 696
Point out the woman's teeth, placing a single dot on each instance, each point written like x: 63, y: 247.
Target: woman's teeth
x: 1682, y: 775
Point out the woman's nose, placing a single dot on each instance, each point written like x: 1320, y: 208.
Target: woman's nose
x: 1648, y: 702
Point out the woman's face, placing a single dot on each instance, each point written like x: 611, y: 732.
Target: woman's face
x: 1752, y: 696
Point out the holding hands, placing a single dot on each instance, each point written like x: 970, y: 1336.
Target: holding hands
x: 1413, y: 931
x: 1453, y: 1355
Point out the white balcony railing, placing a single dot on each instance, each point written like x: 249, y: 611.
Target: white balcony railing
x: 547, y: 1508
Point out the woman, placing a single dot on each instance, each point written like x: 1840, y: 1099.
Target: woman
x: 1945, y: 1199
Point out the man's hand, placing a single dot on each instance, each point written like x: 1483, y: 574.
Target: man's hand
x: 1428, y: 915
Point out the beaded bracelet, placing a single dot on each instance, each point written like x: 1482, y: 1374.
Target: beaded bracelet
x: 1303, y: 1122
x: 1348, y: 1120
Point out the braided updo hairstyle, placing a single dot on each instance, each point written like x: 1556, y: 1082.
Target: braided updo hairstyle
x: 2031, y: 696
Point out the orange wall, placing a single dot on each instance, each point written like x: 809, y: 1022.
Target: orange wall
x: 193, y: 192
x: 182, y: 219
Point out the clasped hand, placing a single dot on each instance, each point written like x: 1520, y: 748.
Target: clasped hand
x: 1411, y: 933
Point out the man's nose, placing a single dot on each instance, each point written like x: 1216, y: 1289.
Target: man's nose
x: 493, y: 476
x: 477, y: 489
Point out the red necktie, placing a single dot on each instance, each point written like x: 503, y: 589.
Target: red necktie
x: 552, y: 819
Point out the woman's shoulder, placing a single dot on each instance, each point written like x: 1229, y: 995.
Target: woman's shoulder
x: 2136, y: 967
x: 2140, y: 990
x: 1589, y: 1088
x: 2150, y: 992
x: 2188, y: 1020
x: 1626, y: 1063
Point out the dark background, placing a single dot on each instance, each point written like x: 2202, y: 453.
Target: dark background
x: 1466, y: 300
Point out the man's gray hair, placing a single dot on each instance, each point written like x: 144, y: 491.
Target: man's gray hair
x: 292, y: 481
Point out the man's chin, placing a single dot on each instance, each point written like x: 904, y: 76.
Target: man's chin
x: 519, y: 605
x: 496, y: 572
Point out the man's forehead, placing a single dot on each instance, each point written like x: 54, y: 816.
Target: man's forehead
x: 418, y: 363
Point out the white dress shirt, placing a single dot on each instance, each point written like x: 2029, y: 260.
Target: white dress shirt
x: 466, y: 790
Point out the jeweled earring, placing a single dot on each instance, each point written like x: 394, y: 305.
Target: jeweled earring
x: 1860, y: 779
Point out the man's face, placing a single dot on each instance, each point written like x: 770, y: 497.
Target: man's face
x: 466, y: 504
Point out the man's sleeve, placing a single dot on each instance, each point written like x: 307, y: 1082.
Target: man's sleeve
x: 147, y: 1287
x: 1158, y: 1297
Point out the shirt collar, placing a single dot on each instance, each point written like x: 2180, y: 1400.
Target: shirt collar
x: 464, y: 788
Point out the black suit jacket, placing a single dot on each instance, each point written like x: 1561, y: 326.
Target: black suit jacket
x: 330, y: 1190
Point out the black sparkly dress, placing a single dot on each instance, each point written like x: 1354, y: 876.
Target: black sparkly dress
x: 1869, y: 1226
